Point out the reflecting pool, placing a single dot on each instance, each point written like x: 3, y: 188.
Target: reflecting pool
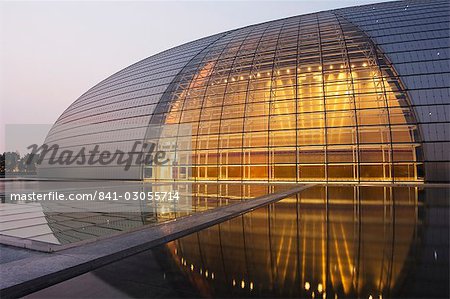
x: 56, y: 223
x: 327, y: 242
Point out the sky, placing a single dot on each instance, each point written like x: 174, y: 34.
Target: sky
x: 52, y: 52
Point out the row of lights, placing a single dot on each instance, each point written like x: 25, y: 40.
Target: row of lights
x: 212, y: 275
x: 205, y: 273
x: 243, y: 284
x: 288, y: 71
x: 319, y: 289
x: 324, y: 295
x: 250, y: 284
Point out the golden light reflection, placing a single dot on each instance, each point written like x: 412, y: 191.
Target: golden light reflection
x: 307, y: 286
x: 285, y: 246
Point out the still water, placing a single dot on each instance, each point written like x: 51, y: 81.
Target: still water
x: 53, y: 224
x: 326, y: 242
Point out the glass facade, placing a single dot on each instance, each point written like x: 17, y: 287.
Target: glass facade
x: 415, y: 36
x: 307, y: 98
x: 116, y: 112
x: 329, y: 96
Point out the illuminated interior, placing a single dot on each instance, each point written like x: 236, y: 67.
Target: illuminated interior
x: 302, y: 99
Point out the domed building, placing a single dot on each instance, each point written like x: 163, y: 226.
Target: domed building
x: 360, y: 94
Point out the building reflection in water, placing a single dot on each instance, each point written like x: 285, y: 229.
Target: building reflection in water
x: 328, y: 241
